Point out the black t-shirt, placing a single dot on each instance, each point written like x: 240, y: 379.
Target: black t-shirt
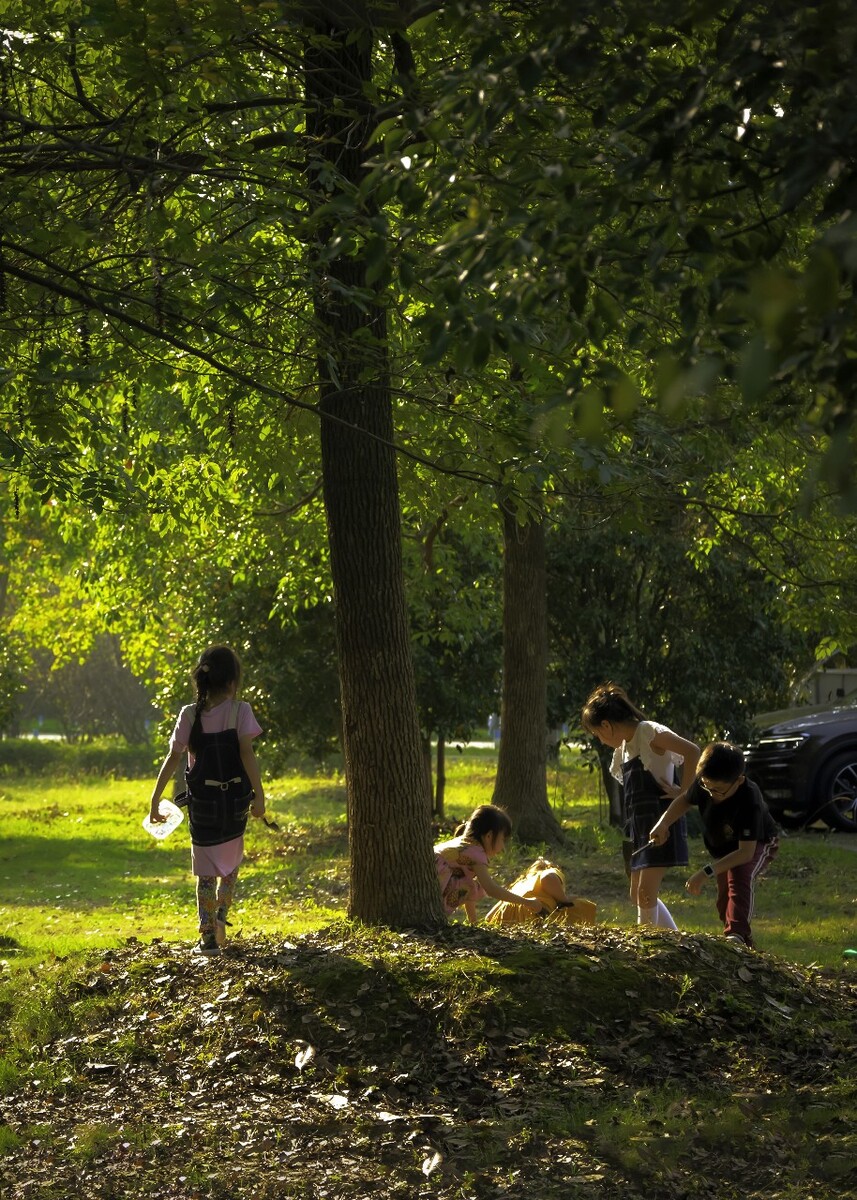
x: 743, y: 817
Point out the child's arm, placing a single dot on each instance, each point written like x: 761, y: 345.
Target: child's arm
x: 737, y: 858
x: 551, y: 883
x: 470, y: 909
x: 498, y: 892
x: 667, y: 740
x: 168, y: 769
x: 661, y: 830
x: 251, y: 766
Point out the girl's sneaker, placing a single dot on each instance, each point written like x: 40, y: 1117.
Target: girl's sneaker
x: 208, y: 944
x: 220, y: 924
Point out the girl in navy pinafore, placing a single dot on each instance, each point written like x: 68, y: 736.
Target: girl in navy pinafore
x: 646, y: 757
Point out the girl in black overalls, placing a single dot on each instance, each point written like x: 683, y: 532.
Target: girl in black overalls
x: 217, y: 734
x: 646, y: 756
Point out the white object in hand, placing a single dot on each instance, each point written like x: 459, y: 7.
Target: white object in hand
x: 162, y: 829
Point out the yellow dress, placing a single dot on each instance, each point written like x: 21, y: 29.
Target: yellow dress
x: 542, y: 880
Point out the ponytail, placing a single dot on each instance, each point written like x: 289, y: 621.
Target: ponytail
x: 195, y: 734
x: 609, y: 702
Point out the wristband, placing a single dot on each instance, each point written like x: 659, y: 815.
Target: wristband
x: 708, y: 870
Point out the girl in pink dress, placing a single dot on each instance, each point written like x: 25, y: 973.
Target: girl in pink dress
x: 462, y: 862
x: 219, y: 729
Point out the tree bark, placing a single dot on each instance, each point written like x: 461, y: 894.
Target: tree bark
x: 393, y: 879
x: 521, y: 784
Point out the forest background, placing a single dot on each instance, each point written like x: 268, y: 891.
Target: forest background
x: 319, y: 320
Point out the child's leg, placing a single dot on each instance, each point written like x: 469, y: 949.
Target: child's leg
x: 225, y: 896
x: 722, y: 901
x: 648, y: 882
x: 740, y: 891
x: 206, y: 902
x: 226, y: 893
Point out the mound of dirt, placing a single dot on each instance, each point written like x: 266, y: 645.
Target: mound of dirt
x: 476, y: 1063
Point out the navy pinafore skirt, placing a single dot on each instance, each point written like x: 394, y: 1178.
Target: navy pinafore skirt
x: 645, y: 803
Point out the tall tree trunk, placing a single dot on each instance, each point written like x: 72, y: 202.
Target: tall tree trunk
x: 393, y: 879
x: 521, y: 785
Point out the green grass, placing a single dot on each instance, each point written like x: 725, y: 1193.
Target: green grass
x: 806, y: 906
x: 77, y: 870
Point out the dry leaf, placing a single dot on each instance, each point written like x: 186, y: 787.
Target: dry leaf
x: 305, y: 1056
x: 432, y: 1162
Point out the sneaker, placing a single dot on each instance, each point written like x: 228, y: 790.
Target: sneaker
x: 220, y: 924
x: 736, y: 938
x: 208, y: 944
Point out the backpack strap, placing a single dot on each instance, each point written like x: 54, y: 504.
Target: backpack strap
x: 233, y: 715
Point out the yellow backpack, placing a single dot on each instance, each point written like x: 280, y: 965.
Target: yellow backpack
x: 543, y: 880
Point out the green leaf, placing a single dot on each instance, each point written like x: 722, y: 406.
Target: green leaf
x: 755, y: 366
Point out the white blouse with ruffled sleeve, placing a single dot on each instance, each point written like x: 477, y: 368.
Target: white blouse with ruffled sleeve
x: 659, y: 765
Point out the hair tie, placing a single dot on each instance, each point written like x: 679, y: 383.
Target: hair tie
x: 205, y: 667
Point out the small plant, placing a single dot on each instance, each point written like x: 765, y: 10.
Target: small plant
x: 9, y: 1140
x: 92, y: 1140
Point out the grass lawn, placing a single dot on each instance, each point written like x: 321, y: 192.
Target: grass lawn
x: 78, y: 871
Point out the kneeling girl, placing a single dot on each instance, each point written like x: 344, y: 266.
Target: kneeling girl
x: 462, y: 862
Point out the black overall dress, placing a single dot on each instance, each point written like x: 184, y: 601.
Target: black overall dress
x: 644, y: 804
x: 219, y: 792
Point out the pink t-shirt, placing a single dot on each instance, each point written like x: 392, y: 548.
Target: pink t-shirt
x: 457, y: 881
x: 214, y: 720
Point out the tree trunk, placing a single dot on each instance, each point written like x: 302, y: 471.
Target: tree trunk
x: 393, y: 879
x: 521, y: 785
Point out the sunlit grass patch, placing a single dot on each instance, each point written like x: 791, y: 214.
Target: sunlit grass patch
x: 78, y: 872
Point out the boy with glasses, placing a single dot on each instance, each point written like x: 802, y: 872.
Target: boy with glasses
x: 738, y: 830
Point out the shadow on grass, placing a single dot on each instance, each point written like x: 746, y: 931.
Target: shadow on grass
x: 81, y: 872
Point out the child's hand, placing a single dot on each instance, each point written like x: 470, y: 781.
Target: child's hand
x: 533, y: 903
x: 155, y: 815
x: 257, y: 808
x: 658, y: 834
x: 694, y: 884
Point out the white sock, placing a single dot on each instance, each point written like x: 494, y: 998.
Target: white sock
x: 647, y: 916
x: 664, y: 917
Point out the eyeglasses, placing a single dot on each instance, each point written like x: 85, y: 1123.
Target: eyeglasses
x: 718, y: 790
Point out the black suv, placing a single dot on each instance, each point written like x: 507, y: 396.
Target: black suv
x: 805, y: 762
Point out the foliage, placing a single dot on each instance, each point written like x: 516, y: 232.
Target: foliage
x: 451, y: 569
x: 104, y: 758
x: 584, y: 235
x: 94, y: 698
x: 662, y: 197
x: 701, y: 643
x: 11, y: 681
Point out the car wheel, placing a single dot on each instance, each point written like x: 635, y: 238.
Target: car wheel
x: 838, y: 793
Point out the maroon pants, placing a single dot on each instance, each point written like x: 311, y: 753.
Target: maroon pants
x: 735, y: 891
